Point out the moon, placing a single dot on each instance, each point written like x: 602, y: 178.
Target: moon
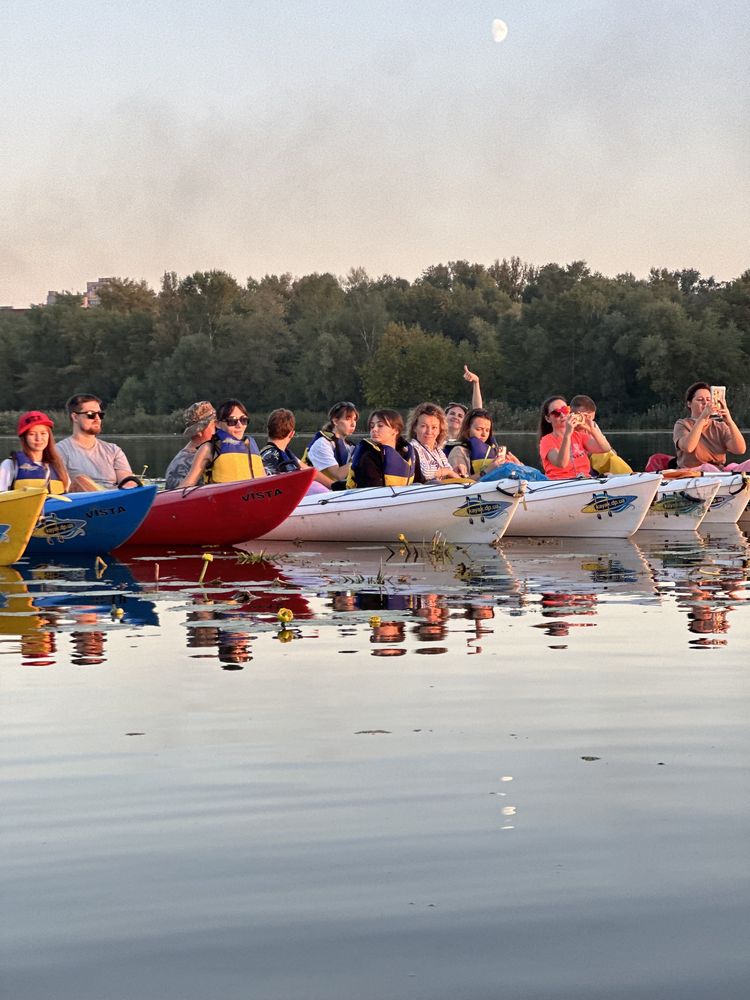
x: 499, y: 30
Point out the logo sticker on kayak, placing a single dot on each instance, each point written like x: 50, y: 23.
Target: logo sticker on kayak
x: 718, y: 502
x: 676, y: 504
x: 59, y: 529
x: 485, y: 510
x: 4, y: 532
x: 603, y: 503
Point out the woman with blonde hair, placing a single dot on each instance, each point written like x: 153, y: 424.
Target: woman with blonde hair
x: 427, y: 432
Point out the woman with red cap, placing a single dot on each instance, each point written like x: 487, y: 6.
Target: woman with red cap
x: 38, y: 463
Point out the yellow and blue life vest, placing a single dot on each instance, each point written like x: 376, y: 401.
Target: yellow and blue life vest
x: 233, y: 460
x: 481, y: 454
x: 399, y: 464
x: 34, y: 475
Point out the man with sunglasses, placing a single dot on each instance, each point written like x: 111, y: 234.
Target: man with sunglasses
x: 93, y: 464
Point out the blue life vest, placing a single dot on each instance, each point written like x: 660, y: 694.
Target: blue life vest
x: 283, y: 460
x: 233, y: 460
x: 341, y: 449
x: 35, y: 475
x: 481, y: 454
x: 399, y: 464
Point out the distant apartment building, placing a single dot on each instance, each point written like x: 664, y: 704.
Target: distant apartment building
x: 91, y: 297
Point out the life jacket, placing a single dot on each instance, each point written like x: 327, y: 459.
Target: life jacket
x: 286, y: 460
x: 233, y: 460
x: 340, y: 447
x: 481, y: 454
x: 399, y: 464
x: 34, y: 475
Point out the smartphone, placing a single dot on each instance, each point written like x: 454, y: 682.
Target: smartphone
x: 718, y: 396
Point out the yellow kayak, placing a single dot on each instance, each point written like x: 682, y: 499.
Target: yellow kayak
x: 19, y: 512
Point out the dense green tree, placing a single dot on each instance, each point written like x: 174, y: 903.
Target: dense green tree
x: 303, y: 342
x: 364, y: 314
x: 410, y: 366
x: 127, y: 296
x: 206, y: 297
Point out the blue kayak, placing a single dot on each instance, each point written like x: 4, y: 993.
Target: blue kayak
x: 89, y: 522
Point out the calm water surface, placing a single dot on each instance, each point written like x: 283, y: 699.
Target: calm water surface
x: 454, y: 774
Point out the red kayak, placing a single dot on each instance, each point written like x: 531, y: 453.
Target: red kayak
x: 221, y: 513
x: 180, y: 574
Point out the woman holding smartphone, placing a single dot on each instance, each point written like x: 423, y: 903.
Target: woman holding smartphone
x: 708, y: 433
x: 566, y: 440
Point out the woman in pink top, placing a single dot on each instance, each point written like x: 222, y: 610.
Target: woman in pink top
x: 567, y: 439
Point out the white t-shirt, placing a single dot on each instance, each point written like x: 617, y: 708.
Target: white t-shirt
x: 105, y: 463
x: 7, y: 474
x: 321, y: 454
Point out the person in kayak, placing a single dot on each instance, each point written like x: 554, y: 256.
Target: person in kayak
x: 566, y: 440
x: 427, y: 433
x: 200, y: 426
x: 329, y: 451
x: 477, y: 450
x: 37, y: 464
x: 231, y: 455
x: 92, y: 464
x: 385, y: 458
x: 608, y: 462
x: 278, y: 456
x: 455, y: 413
x: 705, y: 436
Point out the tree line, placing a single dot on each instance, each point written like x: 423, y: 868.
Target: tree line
x: 633, y: 344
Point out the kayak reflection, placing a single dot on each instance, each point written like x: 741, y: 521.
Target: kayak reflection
x: 708, y: 576
x: 83, y: 598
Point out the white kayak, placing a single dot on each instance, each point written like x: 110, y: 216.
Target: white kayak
x: 607, y: 567
x: 681, y: 504
x: 731, y: 500
x: 461, y: 513
x: 608, y: 507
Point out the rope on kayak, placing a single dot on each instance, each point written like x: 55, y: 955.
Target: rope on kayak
x: 522, y: 484
x: 686, y: 496
x: 741, y: 487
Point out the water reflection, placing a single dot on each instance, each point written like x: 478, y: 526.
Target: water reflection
x: 395, y: 600
x: 707, y: 576
x: 82, y: 599
x: 233, y: 646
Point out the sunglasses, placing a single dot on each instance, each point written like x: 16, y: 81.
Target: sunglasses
x: 90, y: 414
x: 236, y: 421
x: 562, y: 412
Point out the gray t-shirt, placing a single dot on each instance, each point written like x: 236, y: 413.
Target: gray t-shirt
x: 179, y: 467
x: 105, y: 463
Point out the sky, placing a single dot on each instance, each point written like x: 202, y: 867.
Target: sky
x: 263, y: 137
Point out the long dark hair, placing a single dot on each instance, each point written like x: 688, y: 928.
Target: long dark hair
x: 464, y: 434
x: 338, y: 410
x: 391, y: 417
x: 545, y: 427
